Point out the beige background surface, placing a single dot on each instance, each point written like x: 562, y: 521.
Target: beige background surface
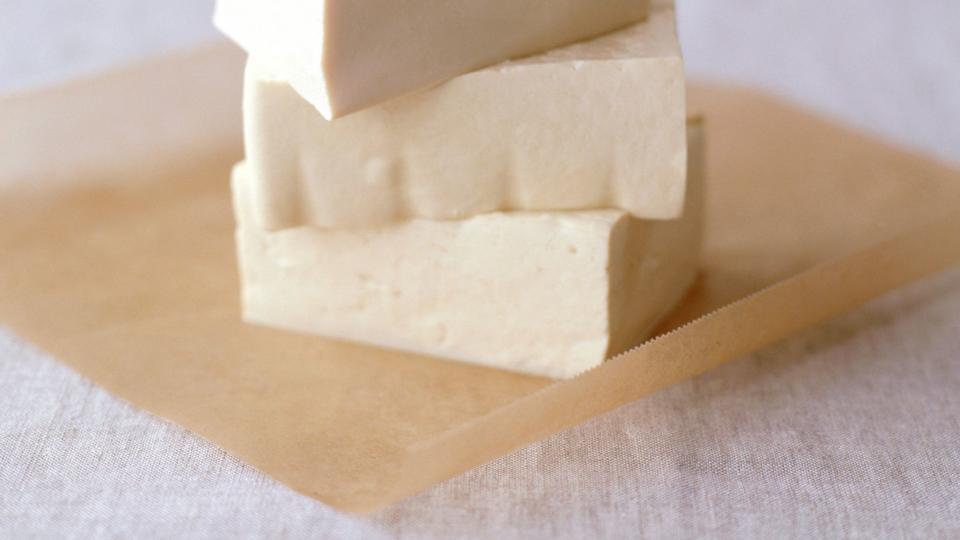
x: 849, y: 430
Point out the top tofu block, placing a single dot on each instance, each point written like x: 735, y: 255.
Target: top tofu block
x: 346, y: 55
x: 598, y: 124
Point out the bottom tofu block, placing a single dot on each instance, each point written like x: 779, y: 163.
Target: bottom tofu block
x: 545, y: 293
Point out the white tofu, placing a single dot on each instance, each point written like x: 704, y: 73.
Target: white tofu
x: 595, y: 125
x: 546, y: 293
x: 346, y: 55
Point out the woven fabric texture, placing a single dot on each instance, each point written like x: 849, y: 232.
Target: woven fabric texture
x: 849, y: 430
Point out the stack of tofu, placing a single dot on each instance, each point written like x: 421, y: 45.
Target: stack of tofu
x: 498, y: 182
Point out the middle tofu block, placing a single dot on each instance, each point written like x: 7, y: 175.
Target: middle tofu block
x: 599, y: 124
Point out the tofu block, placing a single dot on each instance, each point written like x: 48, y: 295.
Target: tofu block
x: 545, y: 293
x: 346, y: 55
x: 595, y: 125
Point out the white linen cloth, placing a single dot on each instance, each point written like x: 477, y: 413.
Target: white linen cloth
x: 851, y: 429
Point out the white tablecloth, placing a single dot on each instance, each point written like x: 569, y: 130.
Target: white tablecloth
x: 851, y: 429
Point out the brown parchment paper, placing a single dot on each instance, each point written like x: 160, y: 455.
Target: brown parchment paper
x: 116, y: 256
